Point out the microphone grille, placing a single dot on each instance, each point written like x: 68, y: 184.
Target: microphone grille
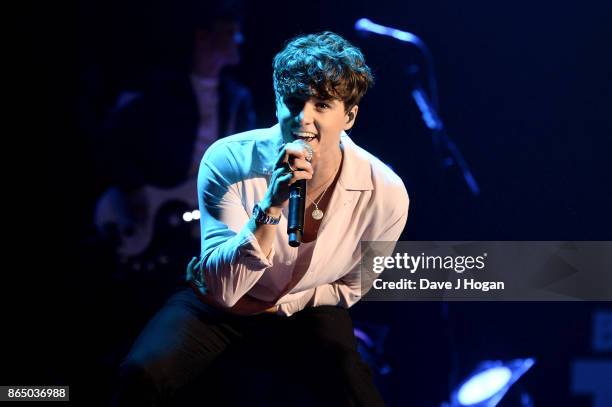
x: 308, y: 148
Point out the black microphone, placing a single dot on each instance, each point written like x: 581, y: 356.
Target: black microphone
x: 297, y: 206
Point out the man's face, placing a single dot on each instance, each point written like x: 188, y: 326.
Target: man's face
x: 316, y: 121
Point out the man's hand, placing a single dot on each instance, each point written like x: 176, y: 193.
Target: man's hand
x: 291, y: 166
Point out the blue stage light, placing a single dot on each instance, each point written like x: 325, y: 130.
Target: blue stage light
x: 484, y: 385
x: 489, y: 383
x: 364, y: 24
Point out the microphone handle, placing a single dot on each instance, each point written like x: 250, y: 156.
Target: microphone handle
x: 297, y: 205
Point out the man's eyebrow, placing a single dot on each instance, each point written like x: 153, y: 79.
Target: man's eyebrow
x: 330, y: 101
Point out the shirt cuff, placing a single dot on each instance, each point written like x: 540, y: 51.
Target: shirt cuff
x: 334, y: 294
x: 291, y: 307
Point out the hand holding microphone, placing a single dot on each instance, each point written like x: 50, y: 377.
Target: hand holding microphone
x: 292, y: 169
x: 297, y: 203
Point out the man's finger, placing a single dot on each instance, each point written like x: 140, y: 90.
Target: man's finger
x: 296, y: 149
x: 301, y: 165
x: 282, y: 156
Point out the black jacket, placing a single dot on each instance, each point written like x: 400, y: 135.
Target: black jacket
x: 149, y: 138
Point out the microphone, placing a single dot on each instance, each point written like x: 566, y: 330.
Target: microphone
x: 297, y: 206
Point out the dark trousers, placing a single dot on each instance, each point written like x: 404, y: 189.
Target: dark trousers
x: 194, y: 354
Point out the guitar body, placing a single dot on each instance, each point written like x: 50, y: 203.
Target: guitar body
x: 149, y: 231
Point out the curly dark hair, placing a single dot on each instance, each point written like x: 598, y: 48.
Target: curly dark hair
x: 323, y: 65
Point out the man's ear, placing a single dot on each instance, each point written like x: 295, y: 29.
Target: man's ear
x: 351, y: 115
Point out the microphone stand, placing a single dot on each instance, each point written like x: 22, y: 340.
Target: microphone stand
x: 446, y: 149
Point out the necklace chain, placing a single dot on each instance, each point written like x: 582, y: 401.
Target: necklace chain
x: 316, y: 204
x: 317, y: 213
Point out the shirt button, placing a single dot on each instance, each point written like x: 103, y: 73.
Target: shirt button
x: 288, y: 262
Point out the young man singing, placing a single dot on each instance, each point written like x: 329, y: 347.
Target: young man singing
x: 249, y: 286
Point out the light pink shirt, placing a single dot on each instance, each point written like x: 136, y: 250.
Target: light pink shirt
x: 369, y: 203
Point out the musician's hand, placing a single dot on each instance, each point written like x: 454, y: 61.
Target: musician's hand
x: 292, y: 155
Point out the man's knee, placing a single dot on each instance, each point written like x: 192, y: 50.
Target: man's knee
x: 137, y: 385
x: 161, y: 374
x: 135, y: 370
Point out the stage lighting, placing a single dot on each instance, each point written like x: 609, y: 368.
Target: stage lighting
x: 489, y: 383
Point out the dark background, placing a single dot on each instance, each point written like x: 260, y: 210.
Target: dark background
x: 524, y: 91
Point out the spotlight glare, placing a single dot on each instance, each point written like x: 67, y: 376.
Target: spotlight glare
x: 187, y: 217
x: 484, y: 385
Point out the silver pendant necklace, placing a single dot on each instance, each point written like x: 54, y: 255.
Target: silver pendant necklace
x: 317, y: 214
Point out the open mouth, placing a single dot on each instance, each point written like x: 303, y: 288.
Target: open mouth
x: 304, y: 135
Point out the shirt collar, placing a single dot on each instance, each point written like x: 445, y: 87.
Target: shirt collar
x: 355, y: 174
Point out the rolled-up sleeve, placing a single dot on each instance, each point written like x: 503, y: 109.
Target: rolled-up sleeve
x: 231, y: 260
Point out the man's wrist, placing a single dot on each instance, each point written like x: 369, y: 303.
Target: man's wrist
x: 266, y: 206
x: 266, y: 215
